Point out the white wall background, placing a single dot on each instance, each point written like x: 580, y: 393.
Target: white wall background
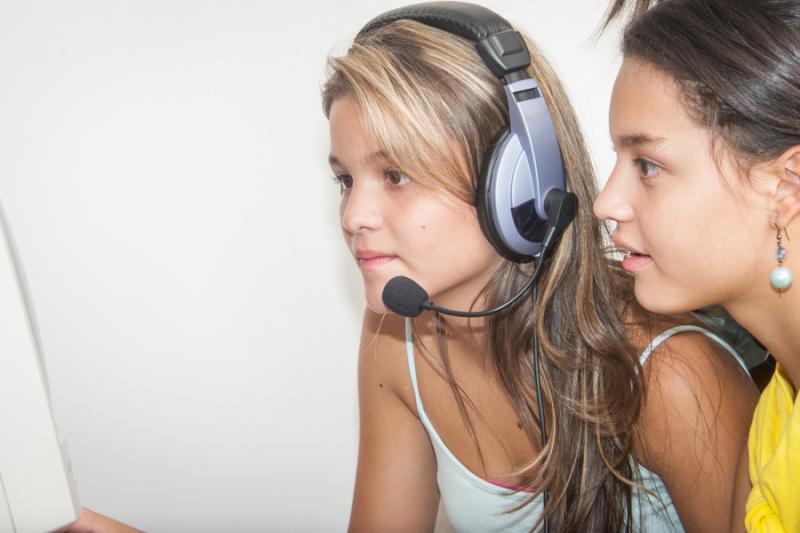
x: 163, y: 169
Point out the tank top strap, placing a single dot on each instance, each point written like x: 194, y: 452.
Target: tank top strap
x: 412, y: 368
x: 681, y: 329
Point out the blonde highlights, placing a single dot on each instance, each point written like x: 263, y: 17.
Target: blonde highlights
x: 434, y: 108
x: 425, y: 100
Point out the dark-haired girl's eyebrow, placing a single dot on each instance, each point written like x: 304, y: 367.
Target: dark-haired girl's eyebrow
x: 637, y: 139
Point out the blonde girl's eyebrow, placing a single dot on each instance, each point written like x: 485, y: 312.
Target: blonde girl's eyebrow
x: 370, y: 158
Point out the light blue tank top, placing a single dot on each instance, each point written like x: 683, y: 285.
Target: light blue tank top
x: 472, y: 504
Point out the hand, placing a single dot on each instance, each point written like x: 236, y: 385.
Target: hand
x: 91, y: 522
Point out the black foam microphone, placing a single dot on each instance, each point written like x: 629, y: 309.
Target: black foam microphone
x: 405, y: 297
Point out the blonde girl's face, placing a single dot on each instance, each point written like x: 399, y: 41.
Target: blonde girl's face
x: 394, y: 226
x: 694, y: 233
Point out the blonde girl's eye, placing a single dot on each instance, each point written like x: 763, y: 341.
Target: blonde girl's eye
x: 396, y: 177
x: 647, y: 168
x: 345, y: 182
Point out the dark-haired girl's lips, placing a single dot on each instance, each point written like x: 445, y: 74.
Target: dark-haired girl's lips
x: 636, y: 261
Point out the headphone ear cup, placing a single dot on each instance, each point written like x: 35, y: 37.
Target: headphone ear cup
x: 486, y: 193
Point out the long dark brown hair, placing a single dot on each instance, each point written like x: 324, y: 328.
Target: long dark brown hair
x: 434, y: 107
x: 737, y: 63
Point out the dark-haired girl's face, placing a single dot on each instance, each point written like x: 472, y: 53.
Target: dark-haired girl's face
x: 394, y: 226
x: 693, y: 234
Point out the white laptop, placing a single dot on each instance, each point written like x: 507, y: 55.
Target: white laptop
x: 37, y: 492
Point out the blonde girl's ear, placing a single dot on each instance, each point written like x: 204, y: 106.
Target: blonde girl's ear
x: 787, y: 191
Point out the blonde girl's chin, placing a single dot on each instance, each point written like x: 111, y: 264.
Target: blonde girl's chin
x: 375, y: 303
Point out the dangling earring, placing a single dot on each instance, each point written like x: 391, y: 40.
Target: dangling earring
x: 781, y: 278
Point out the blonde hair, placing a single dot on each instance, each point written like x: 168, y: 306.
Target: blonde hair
x: 422, y: 101
x: 434, y: 108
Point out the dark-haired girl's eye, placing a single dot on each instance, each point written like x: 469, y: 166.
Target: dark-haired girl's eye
x: 647, y: 168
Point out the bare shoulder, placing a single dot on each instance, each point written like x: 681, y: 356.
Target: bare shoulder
x: 396, y: 463
x: 689, y: 372
x: 382, y: 354
x: 687, y: 367
x: 693, y: 426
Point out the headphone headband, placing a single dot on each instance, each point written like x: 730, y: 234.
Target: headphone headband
x: 502, y: 48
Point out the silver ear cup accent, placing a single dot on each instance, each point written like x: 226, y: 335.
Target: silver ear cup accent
x: 509, y: 185
x: 531, y: 124
x: 524, y: 165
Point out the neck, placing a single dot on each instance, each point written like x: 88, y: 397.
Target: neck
x: 468, y: 296
x: 462, y: 335
x: 772, y: 318
x: 469, y: 331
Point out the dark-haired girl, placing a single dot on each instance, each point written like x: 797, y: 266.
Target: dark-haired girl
x: 705, y: 119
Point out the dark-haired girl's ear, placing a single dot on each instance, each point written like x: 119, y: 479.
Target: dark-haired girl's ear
x: 787, y: 192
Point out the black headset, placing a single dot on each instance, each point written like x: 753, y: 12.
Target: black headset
x: 523, y: 164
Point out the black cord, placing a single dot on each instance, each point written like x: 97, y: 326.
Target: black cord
x: 536, y: 352
x: 502, y: 307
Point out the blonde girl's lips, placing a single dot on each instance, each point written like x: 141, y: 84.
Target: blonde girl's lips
x: 373, y: 262
x: 635, y: 261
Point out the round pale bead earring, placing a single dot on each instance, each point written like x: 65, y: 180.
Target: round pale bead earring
x: 781, y: 278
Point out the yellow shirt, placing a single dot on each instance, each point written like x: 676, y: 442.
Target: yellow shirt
x: 773, y: 505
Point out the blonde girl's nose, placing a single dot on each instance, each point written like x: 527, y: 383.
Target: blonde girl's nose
x: 360, y: 210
